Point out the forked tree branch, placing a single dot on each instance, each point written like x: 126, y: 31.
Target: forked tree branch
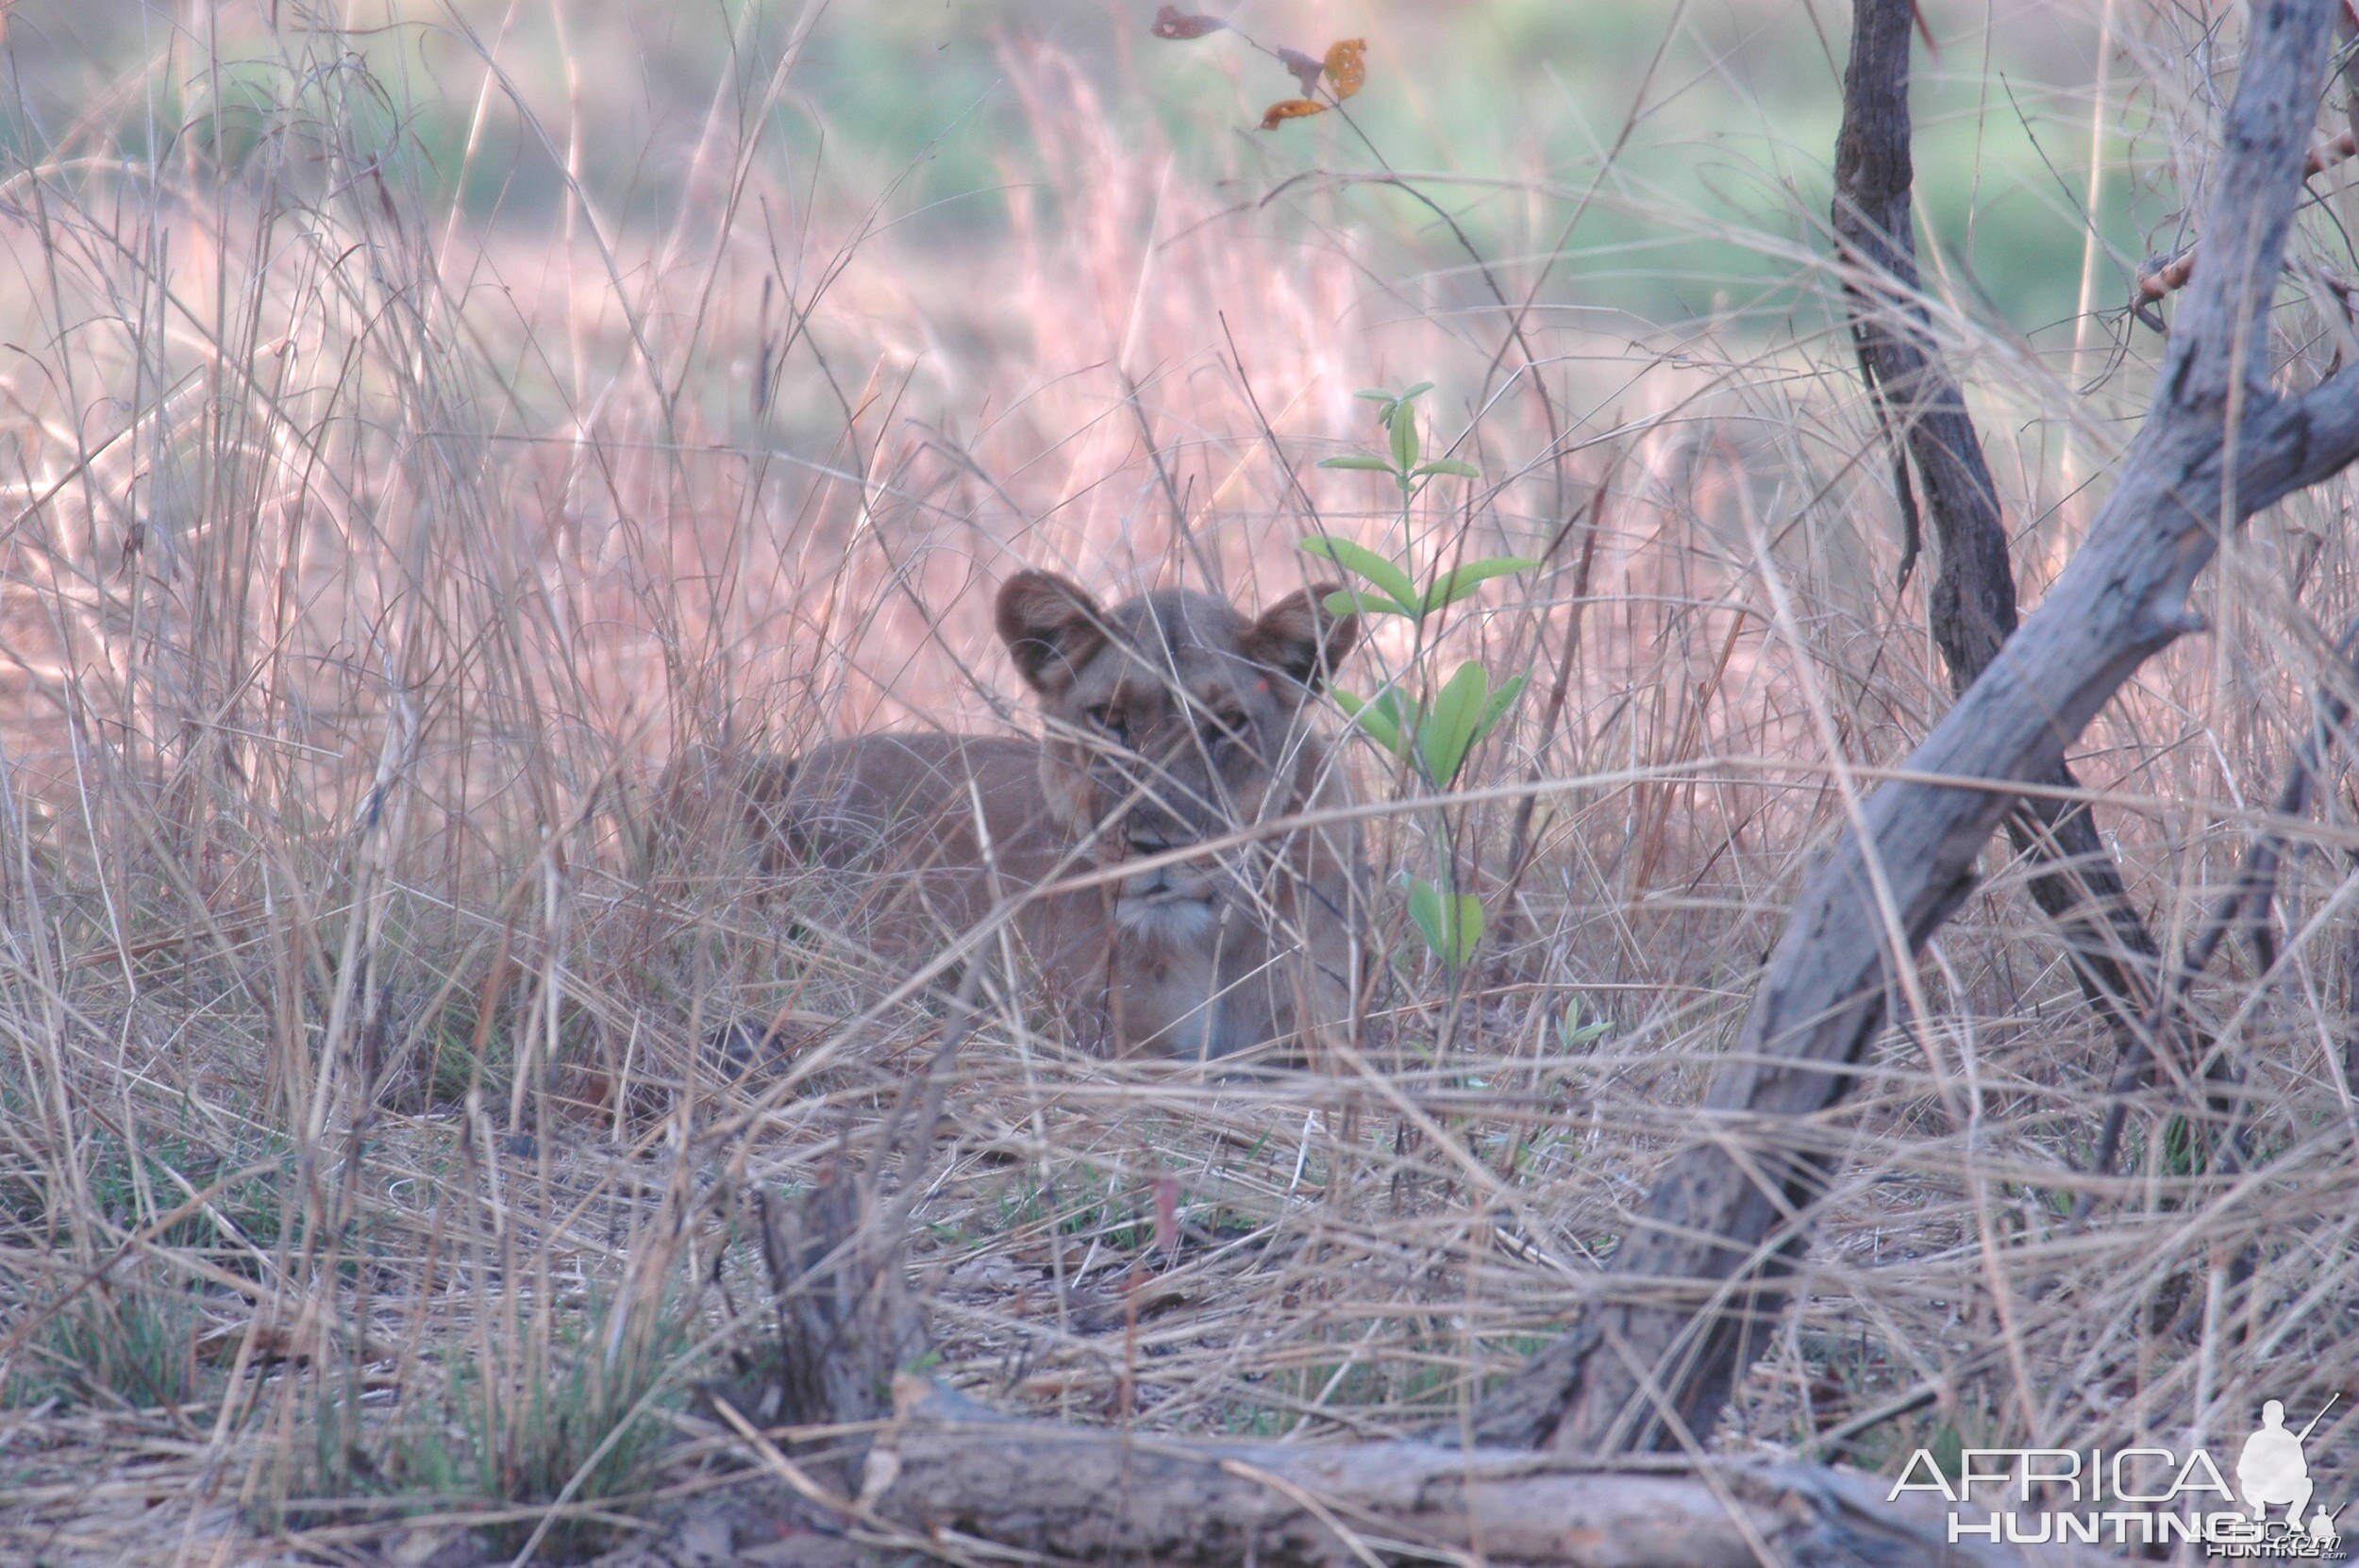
x: 1923, y: 414
x: 1706, y: 1266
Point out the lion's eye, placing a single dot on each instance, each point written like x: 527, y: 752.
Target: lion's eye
x: 1226, y: 723
x: 1108, y: 721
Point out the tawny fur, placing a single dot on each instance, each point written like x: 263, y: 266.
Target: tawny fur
x: 1170, y: 721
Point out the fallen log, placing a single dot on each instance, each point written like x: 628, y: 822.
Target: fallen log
x: 946, y: 1469
x: 910, y: 1465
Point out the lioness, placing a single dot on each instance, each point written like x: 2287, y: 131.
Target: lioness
x: 1171, y: 721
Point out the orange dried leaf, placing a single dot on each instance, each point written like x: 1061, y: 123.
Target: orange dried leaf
x: 1171, y: 21
x: 1307, y: 68
x: 1347, y: 65
x: 1289, y: 109
x: 274, y: 1343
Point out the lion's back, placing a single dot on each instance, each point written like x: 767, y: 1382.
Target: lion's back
x: 924, y: 838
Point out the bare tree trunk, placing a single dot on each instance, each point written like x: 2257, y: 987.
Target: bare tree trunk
x: 1704, y: 1269
x: 1923, y: 413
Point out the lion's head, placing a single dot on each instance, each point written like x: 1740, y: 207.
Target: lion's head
x: 1172, y: 718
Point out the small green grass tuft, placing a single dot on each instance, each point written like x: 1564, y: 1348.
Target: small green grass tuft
x: 122, y: 1345
x: 543, y: 1445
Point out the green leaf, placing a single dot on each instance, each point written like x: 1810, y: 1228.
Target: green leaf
x: 1425, y: 908
x: 1393, y: 404
x: 1356, y: 601
x: 1576, y: 1034
x: 1450, y: 727
x: 1405, y: 426
x: 1461, y: 582
x: 1360, y: 559
x: 1449, y: 465
x: 1381, y: 718
x: 1368, y: 716
x: 1371, y: 464
x: 1501, y: 700
x: 1450, y: 922
x: 1469, y: 926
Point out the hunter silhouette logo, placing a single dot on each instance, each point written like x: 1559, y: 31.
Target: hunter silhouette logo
x: 2142, y: 1495
x: 2271, y: 1470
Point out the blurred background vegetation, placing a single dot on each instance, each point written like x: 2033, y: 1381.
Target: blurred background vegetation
x: 1645, y: 107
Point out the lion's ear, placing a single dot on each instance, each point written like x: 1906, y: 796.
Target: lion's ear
x: 1297, y: 637
x: 1051, y: 627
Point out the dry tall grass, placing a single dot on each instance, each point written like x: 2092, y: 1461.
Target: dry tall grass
x: 373, y: 539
